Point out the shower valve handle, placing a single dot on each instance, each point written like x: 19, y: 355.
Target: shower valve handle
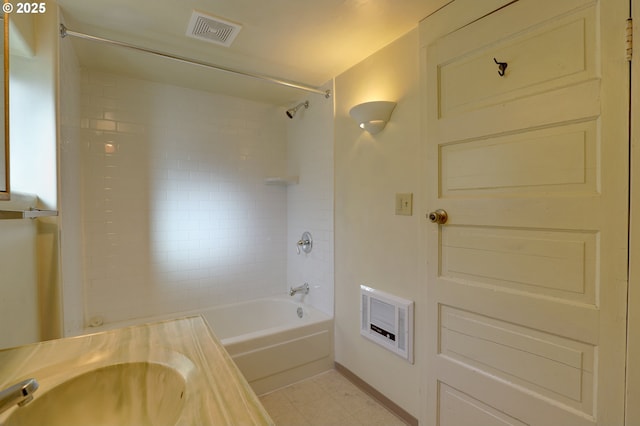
x: 305, y: 243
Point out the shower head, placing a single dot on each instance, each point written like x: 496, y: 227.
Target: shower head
x: 292, y: 111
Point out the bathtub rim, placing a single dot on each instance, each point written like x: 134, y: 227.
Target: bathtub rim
x: 317, y: 316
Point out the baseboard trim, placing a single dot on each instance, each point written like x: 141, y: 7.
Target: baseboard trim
x: 377, y: 395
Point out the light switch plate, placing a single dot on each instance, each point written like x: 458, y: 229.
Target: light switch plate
x: 404, y: 204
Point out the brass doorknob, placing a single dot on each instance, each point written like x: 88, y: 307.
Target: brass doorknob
x: 439, y: 216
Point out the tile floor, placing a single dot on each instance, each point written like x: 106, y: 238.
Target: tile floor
x: 326, y: 399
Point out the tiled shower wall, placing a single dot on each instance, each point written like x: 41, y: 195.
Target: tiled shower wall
x: 175, y: 212
x: 310, y: 203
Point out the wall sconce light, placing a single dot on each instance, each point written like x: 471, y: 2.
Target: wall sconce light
x: 372, y: 116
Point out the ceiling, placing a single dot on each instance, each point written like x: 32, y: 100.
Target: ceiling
x: 305, y: 41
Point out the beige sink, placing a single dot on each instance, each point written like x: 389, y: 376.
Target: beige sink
x: 140, y: 393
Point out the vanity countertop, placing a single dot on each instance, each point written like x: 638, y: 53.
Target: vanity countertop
x: 214, y: 390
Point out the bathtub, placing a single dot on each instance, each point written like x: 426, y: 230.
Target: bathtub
x: 271, y: 344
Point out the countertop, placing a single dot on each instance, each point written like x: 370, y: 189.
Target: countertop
x: 214, y: 390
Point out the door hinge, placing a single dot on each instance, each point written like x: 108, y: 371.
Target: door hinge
x: 629, y: 39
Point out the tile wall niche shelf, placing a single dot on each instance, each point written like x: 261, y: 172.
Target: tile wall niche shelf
x: 282, y: 180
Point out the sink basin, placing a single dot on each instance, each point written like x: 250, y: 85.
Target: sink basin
x: 137, y: 393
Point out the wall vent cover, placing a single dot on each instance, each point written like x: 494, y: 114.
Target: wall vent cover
x: 212, y: 29
x: 387, y: 320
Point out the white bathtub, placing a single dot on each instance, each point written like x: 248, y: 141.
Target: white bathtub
x: 271, y: 345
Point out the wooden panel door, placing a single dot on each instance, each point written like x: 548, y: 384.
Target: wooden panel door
x: 526, y: 281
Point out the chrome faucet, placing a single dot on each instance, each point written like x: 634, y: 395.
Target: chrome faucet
x: 20, y: 393
x: 304, y: 288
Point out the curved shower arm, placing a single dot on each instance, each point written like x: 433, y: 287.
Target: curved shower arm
x: 291, y: 112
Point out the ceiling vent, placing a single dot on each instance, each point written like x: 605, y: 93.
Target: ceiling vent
x: 212, y: 29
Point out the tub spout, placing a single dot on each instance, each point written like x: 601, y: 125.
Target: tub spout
x: 20, y: 393
x: 304, y: 288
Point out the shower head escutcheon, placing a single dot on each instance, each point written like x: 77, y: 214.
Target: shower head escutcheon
x: 291, y: 112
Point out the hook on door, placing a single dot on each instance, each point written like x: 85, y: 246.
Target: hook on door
x: 502, y: 66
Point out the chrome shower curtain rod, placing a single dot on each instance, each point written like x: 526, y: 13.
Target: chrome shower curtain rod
x: 64, y: 31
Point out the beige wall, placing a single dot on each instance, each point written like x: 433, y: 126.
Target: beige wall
x: 18, y: 285
x: 373, y: 246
